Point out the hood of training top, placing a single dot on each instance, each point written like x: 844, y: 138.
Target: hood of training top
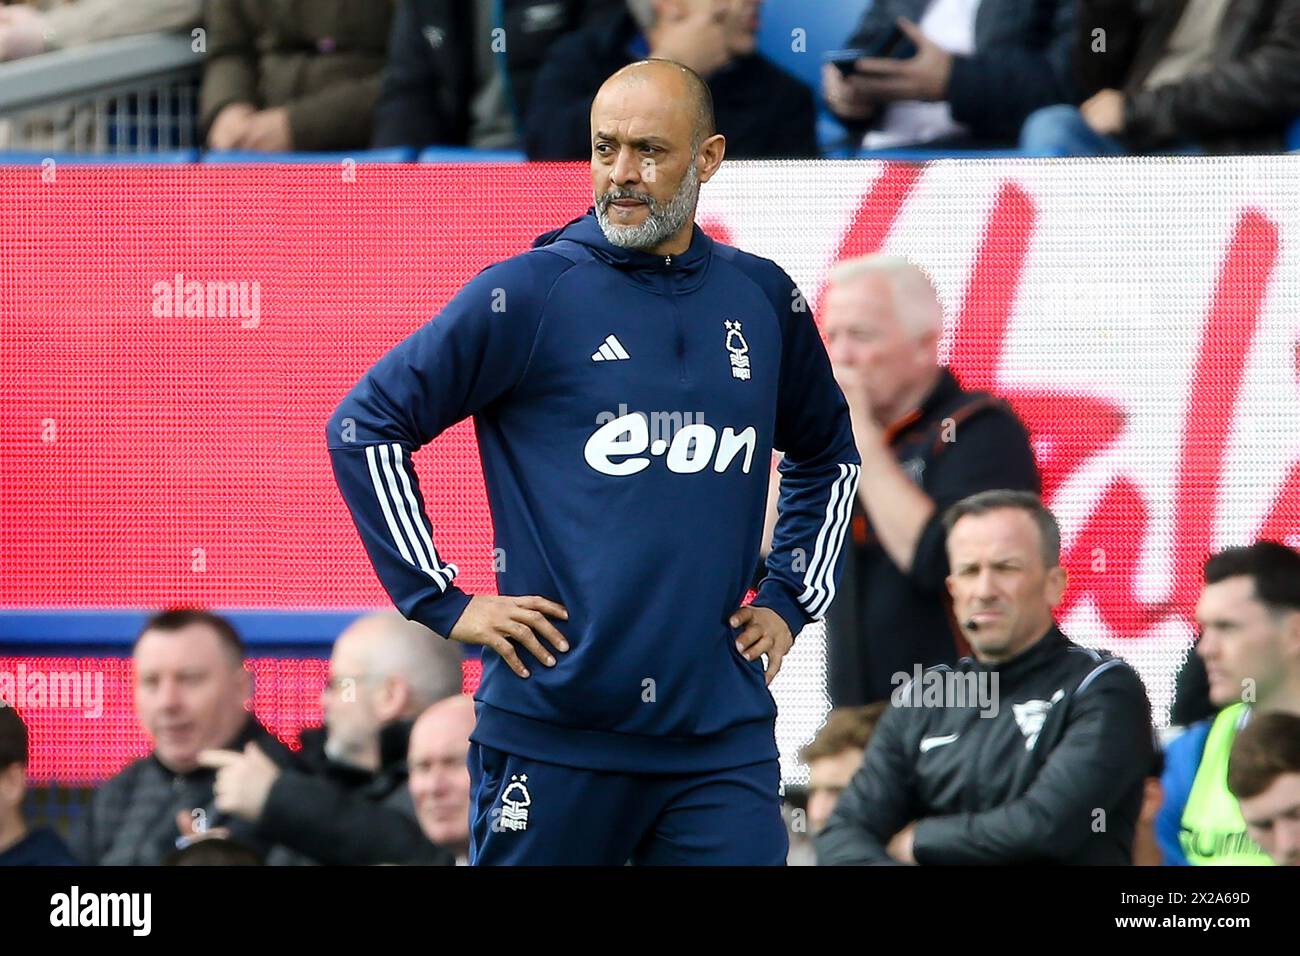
x: 626, y: 406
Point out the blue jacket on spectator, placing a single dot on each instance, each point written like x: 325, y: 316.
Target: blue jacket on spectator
x: 649, y: 543
x: 41, y: 847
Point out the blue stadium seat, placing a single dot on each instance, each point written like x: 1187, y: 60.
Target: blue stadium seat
x: 466, y: 154
x: 826, y: 26
x: 396, y: 154
x: 169, y: 158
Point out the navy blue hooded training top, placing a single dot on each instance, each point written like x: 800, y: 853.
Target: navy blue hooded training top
x: 626, y: 407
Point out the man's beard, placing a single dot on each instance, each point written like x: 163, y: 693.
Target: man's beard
x: 661, y: 223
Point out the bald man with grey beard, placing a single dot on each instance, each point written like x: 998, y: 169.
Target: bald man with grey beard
x: 346, y: 802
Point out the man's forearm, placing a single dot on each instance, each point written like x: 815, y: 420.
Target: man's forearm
x: 897, y: 508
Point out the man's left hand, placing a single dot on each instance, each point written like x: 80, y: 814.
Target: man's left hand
x: 244, y: 780
x: 920, y: 77
x: 900, y: 845
x: 1104, y: 112
x: 765, y: 632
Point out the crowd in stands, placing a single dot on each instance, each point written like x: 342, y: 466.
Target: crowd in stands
x: 1058, y: 764
x: 1045, y: 77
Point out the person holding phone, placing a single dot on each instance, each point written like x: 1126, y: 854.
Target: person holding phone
x: 951, y: 73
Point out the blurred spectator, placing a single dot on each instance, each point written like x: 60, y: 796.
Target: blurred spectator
x: 191, y: 694
x: 30, y: 28
x: 440, y: 773
x: 213, y: 851
x: 1264, y: 776
x: 835, y: 755
x: 977, y: 69
x: 283, y: 75
x: 763, y: 111
x: 346, y: 803
x: 1033, y: 752
x: 20, y: 846
x: 1249, y: 618
x: 925, y: 443
x: 1218, y: 76
x: 1191, y: 692
x: 467, y: 80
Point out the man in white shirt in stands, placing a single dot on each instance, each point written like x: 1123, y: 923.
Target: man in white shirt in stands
x: 963, y: 74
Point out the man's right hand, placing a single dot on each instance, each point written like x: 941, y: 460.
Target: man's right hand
x: 847, y: 96
x: 230, y: 125
x: 495, y: 622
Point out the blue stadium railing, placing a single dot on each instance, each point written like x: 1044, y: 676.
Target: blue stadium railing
x: 111, y: 632
x: 177, y: 157
x: 399, y: 154
x: 439, y: 154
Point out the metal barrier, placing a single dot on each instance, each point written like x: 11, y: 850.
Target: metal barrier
x: 130, y: 95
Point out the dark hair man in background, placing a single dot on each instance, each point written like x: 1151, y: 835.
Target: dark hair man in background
x: 1249, y: 617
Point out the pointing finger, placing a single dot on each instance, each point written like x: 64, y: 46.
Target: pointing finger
x: 219, y: 758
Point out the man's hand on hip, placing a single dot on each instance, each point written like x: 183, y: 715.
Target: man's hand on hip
x: 765, y: 632
x: 496, y: 621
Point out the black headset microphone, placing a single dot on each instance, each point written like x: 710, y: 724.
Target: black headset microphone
x: 971, y: 625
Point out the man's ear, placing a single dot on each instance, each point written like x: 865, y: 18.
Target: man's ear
x: 928, y: 341
x: 1291, y: 637
x: 394, y: 697
x: 709, y: 156
x: 246, y: 682
x: 13, y: 784
x: 1056, y: 581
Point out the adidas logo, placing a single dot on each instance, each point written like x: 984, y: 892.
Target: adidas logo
x: 611, y: 350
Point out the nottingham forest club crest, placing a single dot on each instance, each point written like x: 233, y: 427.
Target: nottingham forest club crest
x: 739, y: 349
x: 515, y: 801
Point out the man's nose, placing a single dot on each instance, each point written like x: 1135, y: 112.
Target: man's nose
x: 627, y: 168
x: 169, y: 694
x: 440, y: 783
x: 984, y: 585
